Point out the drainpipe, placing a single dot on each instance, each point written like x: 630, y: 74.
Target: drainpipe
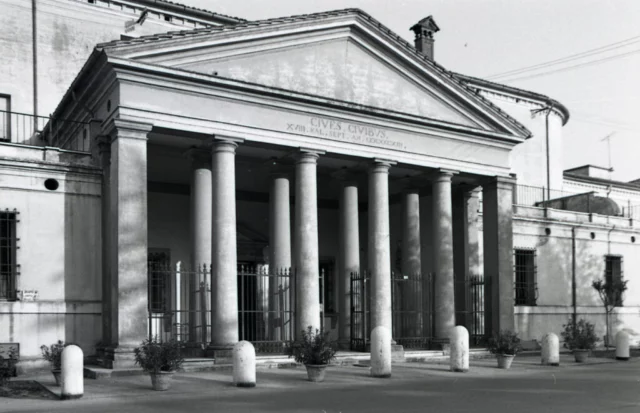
x: 34, y: 46
x: 573, y: 275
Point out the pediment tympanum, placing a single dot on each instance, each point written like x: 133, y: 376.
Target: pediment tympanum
x: 339, y: 69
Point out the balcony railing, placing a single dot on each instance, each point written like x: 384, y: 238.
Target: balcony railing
x: 16, y: 127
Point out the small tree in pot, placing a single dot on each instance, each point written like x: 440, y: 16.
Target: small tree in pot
x: 314, y: 351
x: 505, y: 344
x: 160, y: 360
x: 53, y: 355
x: 610, y: 291
x: 580, y: 337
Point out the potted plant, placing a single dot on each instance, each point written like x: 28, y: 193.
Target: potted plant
x: 160, y: 360
x: 505, y: 344
x: 53, y: 355
x: 580, y: 337
x: 314, y: 351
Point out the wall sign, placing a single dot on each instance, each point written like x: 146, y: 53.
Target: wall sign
x: 346, y: 132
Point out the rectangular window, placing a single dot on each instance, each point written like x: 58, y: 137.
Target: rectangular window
x: 613, y: 275
x: 8, y: 247
x: 5, y: 118
x: 525, y: 275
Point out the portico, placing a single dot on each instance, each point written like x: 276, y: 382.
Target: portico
x: 252, y: 139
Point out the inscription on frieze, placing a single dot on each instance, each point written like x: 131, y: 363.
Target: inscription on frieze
x: 346, y: 132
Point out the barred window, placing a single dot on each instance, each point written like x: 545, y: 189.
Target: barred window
x: 526, y: 290
x: 8, y: 247
x: 613, y: 275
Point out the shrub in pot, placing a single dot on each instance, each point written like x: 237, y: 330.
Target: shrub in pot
x: 579, y: 337
x: 505, y: 344
x: 160, y: 360
x: 53, y: 354
x: 314, y: 350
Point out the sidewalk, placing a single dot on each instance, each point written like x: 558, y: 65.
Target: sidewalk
x: 597, y: 385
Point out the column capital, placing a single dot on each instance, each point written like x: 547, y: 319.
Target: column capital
x: 120, y: 128
x: 199, y: 157
x: 411, y: 190
x: 380, y: 166
x: 499, y: 182
x: 307, y: 155
x: 104, y: 144
x: 224, y: 145
x: 444, y: 175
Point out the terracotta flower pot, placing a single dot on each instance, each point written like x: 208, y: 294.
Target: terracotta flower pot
x: 161, y: 381
x: 56, y: 375
x: 316, y: 371
x: 505, y: 360
x: 581, y: 355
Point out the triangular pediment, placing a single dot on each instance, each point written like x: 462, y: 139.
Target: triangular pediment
x: 342, y: 56
x: 338, y: 69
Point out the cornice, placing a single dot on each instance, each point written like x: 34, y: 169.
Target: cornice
x: 156, y: 75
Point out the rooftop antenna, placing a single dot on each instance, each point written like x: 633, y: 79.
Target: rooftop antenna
x: 608, y: 139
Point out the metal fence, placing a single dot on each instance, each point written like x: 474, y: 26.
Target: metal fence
x: 412, y: 309
x: 265, y: 307
x: 526, y: 195
x: 16, y: 127
x: 473, y: 312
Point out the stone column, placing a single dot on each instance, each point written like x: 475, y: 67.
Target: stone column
x: 201, y: 208
x: 350, y: 258
x: 279, y: 257
x: 128, y: 239
x: 466, y: 251
x: 306, y: 241
x: 497, y: 198
x: 443, y: 256
x: 379, y: 244
x: 411, y: 265
x: 224, y: 277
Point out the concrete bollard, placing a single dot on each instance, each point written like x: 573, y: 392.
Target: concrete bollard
x: 381, y: 352
x: 622, y: 345
x: 244, y: 364
x: 72, y: 376
x: 550, y: 350
x: 459, y: 349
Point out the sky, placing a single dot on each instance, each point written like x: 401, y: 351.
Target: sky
x: 484, y: 38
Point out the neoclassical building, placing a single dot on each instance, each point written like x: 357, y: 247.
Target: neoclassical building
x: 245, y: 180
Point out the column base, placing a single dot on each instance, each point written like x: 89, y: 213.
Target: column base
x: 192, y: 349
x: 222, y: 354
x: 441, y: 344
x: 344, y: 344
x: 121, y: 357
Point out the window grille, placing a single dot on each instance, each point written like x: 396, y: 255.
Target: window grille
x: 9, y: 268
x: 613, y: 275
x: 526, y: 289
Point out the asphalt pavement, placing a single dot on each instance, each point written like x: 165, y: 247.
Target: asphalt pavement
x: 601, y: 385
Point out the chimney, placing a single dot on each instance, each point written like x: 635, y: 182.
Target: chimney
x: 424, y: 31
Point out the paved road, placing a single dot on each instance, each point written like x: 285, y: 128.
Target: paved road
x: 414, y: 387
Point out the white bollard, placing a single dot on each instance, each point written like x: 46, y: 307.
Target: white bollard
x: 622, y: 345
x: 459, y: 349
x: 72, y: 376
x: 381, y: 352
x: 550, y: 350
x: 244, y: 364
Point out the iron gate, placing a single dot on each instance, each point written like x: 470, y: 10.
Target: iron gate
x: 359, y: 311
x: 412, y: 309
